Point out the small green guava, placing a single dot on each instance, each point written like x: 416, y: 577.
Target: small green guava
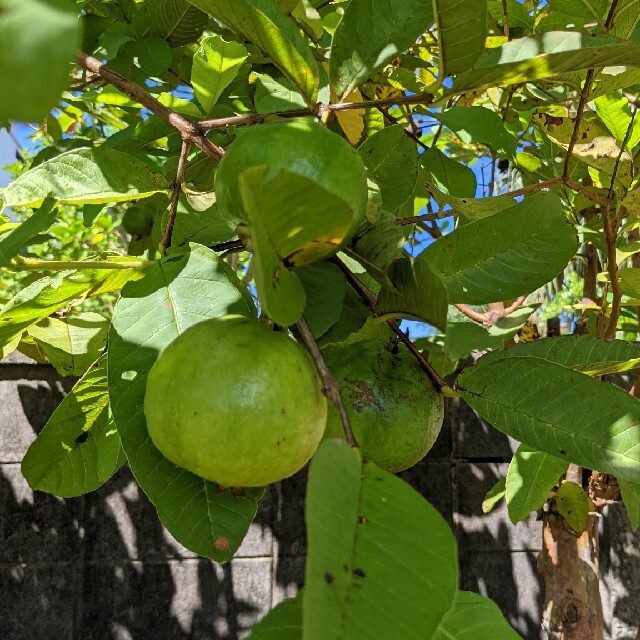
x: 395, y: 411
x: 235, y: 403
x: 303, y: 147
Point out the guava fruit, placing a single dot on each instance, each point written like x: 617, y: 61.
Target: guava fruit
x: 395, y: 411
x: 303, y: 147
x: 235, y: 403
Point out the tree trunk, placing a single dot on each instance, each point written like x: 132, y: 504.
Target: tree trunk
x: 569, y: 566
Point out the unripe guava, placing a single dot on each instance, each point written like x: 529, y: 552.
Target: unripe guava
x: 235, y: 403
x: 301, y: 146
x: 395, y: 411
x: 137, y: 221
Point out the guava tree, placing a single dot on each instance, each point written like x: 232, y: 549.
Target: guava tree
x: 229, y: 207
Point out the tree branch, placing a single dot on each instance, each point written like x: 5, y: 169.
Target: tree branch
x: 330, y: 386
x: 584, y: 97
x: 505, y: 19
x: 175, y: 196
x: 189, y: 130
x: 370, y: 300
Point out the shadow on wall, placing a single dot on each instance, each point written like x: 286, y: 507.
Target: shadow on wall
x: 102, y: 567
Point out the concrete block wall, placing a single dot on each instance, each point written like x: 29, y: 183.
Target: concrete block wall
x: 102, y: 567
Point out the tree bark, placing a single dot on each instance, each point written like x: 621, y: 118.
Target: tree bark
x: 569, y: 565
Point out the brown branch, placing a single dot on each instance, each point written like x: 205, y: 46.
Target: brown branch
x: 230, y: 245
x: 584, y: 97
x: 472, y: 314
x: 370, y: 300
x: 515, y: 306
x: 190, y: 131
x: 427, y: 217
x: 319, y: 110
x: 612, y: 14
x: 330, y: 386
x: 505, y: 19
x: 175, y: 196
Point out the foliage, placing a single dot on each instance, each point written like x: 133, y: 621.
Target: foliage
x: 370, y: 214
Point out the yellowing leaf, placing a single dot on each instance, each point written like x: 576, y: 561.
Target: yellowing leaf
x: 352, y: 120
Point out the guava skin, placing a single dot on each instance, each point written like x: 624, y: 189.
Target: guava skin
x: 299, y: 146
x: 395, y: 411
x: 235, y: 403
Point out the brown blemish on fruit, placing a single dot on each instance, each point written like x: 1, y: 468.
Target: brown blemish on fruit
x: 362, y: 397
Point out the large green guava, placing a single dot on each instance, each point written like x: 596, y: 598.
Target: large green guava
x: 395, y: 411
x: 303, y: 147
x: 235, y: 403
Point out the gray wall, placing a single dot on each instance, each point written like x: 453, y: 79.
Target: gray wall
x: 101, y: 567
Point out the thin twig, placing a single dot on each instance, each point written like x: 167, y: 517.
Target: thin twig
x: 370, y: 300
x: 175, y: 197
x: 330, y: 386
x: 230, y: 245
x: 584, y: 97
x: 189, y: 130
x: 515, y: 306
x: 505, y: 19
x: 472, y: 314
x: 318, y: 111
x: 427, y: 217
x: 611, y: 16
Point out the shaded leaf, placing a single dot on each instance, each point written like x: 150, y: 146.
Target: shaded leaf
x: 174, y: 294
x: 391, y: 160
x: 631, y: 497
x: 559, y: 411
x: 462, y: 28
x: 177, y: 21
x: 531, y: 476
x: 544, y: 56
x: 509, y: 254
x: 284, y: 622
x: 419, y: 295
x: 582, y: 353
x: 474, y: 617
x: 85, y: 176
x: 215, y: 65
x: 325, y: 289
x: 73, y: 343
x: 11, y: 243
x: 42, y: 32
x: 573, y: 505
x: 494, y: 495
x: 447, y: 175
x: 276, y: 94
x: 264, y: 24
x: 363, y: 580
x: 78, y: 449
x: 630, y: 281
x: 152, y: 55
x: 477, y: 125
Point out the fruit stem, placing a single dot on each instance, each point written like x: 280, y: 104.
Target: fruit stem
x: 330, y: 386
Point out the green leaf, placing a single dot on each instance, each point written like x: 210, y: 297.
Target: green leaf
x: 282, y: 623
x: 370, y: 34
x: 477, y: 125
x: 73, y: 343
x: 630, y: 281
x: 450, y: 177
x: 174, y: 294
x: 215, y: 66
x: 35, y: 33
x: 582, y: 353
x: 264, y: 24
x: 545, y: 56
x: 203, y: 227
x: 176, y: 21
x: 509, y: 254
x: 363, y: 578
x: 474, y: 617
x: 559, y: 411
x: 531, y: 476
x: 631, y: 497
x: 462, y: 29
x: 276, y: 94
x: 325, y: 289
x: 615, y: 112
x: 391, y: 159
x: 84, y: 176
x: 292, y: 222
x: 152, y: 55
x: 419, y: 295
x: 43, y: 297
x: 494, y: 495
x: 39, y: 221
x: 78, y: 449
x: 471, y: 208
x: 573, y: 505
